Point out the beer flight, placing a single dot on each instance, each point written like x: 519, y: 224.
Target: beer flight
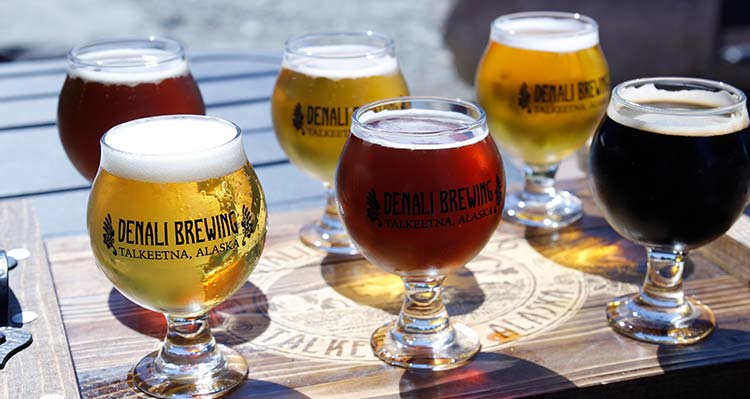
x: 415, y: 185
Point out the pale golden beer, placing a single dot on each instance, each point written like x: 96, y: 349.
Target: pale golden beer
x: 544, y: 83
x: 312, y: 111
x: 178, y: 258
x: 177, y: 221
x: 324, y: 78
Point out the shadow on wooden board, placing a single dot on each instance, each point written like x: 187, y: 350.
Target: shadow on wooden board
x: 240, y: 319
x: 366, y: 284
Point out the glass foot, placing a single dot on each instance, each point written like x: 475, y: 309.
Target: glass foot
x: 199, y: 380
x: 448, y: 349
x: 686, y: 324
x: 332, y: 241
x: 552, y: 212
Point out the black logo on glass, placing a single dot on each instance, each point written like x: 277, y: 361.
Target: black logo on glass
x: 109, y: 234
x: 248, y: 225
x: 498, y: 190
x: 373, y: 208
x: 524, y: 96
x: 298, y: 118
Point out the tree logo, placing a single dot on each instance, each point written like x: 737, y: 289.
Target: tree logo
x: 524, y: 96
x: 109, y: 234
x: 373, y: 207
x: 248, y: 224
x: 498, y: 190
x: 298, y: 118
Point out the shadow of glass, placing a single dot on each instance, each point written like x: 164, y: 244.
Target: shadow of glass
x: 264, y: 389
x: 14, y: 307
x: 599, y: 251
x: 366, y: 284
x: 487, y: 375
x: 239, y: 319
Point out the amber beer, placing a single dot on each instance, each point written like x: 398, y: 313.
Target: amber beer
x: 543, y: 97
x: 420, y: 208
x: 181, y: 232
x: 324, y: 78
x: 544, y: 83
x: 421, y: 189
x: 113, y: 82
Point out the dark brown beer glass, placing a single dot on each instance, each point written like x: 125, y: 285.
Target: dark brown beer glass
x: 117, y: 81
x: 421, y: 187
x: 670, y: 168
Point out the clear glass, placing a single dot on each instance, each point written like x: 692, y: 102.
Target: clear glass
x: 421, y: 187
x: 544, y: 82
x: 323, y: 79
x: 178, y: 228
x: 112, y: 82
x: 670, y: 169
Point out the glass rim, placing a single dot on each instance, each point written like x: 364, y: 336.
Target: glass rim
x: 292, y: 45
x: 237, y: 135
x: 174, y: 50
x: 590, y: 25
x: 478, y: 122
x: 707, y: 83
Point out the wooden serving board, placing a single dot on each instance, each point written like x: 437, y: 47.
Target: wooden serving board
x: 536, y: 299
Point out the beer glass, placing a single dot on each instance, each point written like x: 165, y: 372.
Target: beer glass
x: 177, y: 221
x: 421, y: 188
x: 670, y: 168
x: 544, y: 82
x: 113, y: 82
x: 324, y: 77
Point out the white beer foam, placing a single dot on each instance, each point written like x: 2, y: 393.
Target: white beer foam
x: 128, y: 66
x: 418, y: 129
x: 676, y: 124
x: 341, y: 61
x: 552, y: 35
x: 181, y: 148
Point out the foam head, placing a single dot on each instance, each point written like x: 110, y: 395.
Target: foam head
x: 687, y: 112
x: 419, y: 129
x: 341, y: 61
x: 173, y: 148
x: 550, y: 32
x: 127, y: 65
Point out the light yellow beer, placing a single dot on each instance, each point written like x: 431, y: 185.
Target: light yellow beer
x: 317, y: 91
x: 176, y: 215
x: 544, y: 83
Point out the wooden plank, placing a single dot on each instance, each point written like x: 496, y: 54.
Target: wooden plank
x: 303, y: 321
x: 34, y: 111
x: 45, y: 367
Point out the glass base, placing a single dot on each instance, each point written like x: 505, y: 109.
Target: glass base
x: 191, y: 381
x: 686, y: 324
x: 332, y: 241
x: 451, y: 348
x: 543, y: 211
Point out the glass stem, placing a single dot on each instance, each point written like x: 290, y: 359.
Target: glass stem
x: 539, y: 180
x: 663, y: 285
x: 331, y: 219
x: 423, y: 311
x: 189, y: 347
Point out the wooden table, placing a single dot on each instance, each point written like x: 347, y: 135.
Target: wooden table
x: 303, y: 320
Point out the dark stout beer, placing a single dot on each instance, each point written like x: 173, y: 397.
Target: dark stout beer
x: 671, y: 180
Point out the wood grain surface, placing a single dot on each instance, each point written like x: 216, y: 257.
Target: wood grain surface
x: 45, y: 367
x: 536, y: 299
